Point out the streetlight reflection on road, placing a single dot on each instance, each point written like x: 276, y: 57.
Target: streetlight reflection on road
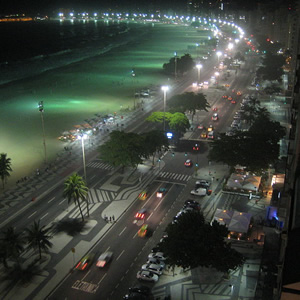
x: 165, y: 88
x: 199, y: 66
x: 219, y: 53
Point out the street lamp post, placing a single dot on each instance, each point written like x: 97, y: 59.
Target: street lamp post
x: 199, y: 66
x: 175, y: 71
x: 165, y: 88
x: 82, y: 136
x: 41, y: 110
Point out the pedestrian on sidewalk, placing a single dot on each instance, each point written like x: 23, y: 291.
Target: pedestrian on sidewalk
x: 110, y: 219
x: 113, y: 218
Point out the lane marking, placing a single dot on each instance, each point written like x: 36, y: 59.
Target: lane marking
x: 150, y: 216
x: 85, y: 275
x: 51, y: 200
x: 102, y: 278
x: 122, y: 231
x: 32, y: 214
x: 44, y: 216
x: 158, y: 204
x: 120, y: 254
x: 61, y: 202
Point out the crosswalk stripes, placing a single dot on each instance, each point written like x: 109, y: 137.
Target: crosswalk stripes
x: 174, y: 176
x: 96, y: 195
x: 191, y: 290
x: 99, y: 165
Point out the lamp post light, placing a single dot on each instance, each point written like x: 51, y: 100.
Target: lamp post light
x: 199, y: 66
x: 83, y: 136
x: 175, y: 71
x: 165, y: 88
x: 219, y: 53
x: 41, y: 110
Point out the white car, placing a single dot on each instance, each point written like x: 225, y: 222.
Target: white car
x: 147, y: 276
x: 156, y: 262
x: 199, y: 192
x: 157, y: 255
x: 156, y: 269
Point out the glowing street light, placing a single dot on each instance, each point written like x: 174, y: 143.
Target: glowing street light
x: 175, y: 71
x: 165, y: 88
x: 230, y: 46
x: 199, y: 66
x: 83, y: 136
x: 219, y: 53
x: 41, y: 110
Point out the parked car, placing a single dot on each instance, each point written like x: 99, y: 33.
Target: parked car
x: 156, y: 269
x: 182, y: 212
x: 156, y: 261
x: 202, y: 183
x: 191, y: 203
x: 199, y: 192
x: 138, y: 292
x: 147, y: 276
x: 157, y: 255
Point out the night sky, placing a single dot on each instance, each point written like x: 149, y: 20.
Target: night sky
x: 48, y: 6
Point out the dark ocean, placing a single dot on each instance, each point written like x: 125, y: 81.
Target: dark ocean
x: 29, y: 48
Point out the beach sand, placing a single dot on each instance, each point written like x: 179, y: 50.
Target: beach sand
x: 77, y: 92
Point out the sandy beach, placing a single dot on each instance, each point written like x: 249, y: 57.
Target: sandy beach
x: 71, y: 94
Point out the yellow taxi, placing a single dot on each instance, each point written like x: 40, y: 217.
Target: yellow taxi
x: 143, y: 195
x: 210, y: 128
x: 143, y: 231
x: 203, y: 135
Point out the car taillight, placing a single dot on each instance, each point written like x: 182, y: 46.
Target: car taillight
x: 101, y: 263
x: 84, y: 266
x: 78, y: 265
x: 137, y: 215
x: 142, y: 216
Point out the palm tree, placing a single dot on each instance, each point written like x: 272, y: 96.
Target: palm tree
x: 38, y: 237
x: 5, y: 168
x: 12, y: 243
x: 76, y: 190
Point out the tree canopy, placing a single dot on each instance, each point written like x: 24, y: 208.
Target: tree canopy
x: 188, y: 102
x: 192, y: 242
x: 272, y: 68
x: 154, y: 141
x: 255, y: 149
x: 123, y: 149
x: 184, y: 64
x: 178, y: 122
